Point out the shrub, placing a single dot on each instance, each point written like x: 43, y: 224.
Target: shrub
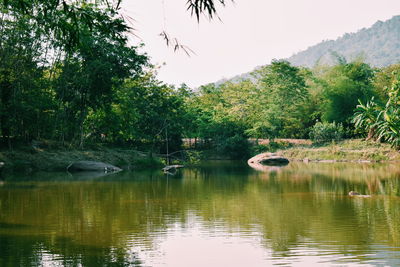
x: 228, y: 138
x: 236, y: 147
x: 271, y: 147
x: 323, y: 132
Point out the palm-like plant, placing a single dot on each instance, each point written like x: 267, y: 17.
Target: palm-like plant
x: 382, y: 123
x: 366, y: 117
x: 389, y: 118
x: 389, y: 126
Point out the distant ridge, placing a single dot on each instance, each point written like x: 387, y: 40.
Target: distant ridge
x: 378, y: 46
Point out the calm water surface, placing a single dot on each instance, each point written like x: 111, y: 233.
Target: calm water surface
x: 218, y: 214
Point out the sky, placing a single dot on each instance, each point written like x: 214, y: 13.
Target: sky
x: 248, y: 34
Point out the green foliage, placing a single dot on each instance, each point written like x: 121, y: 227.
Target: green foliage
x: 192, y: 157
x: 24, y: 94
x: 272, y: 146
x: 68, y: 74
x: 326, y: 132
x: 383, y: 81
x: 365, y: 117
x: 143, y: 111
x: 236, y: 146
x: 280, y: 101
x: 228, y: 138
x: 218, y: 115
x: 84, y: 83
x: 383, y: 121
x: 388, y: 120
x: 271, y: 107
x: 147, y: 162
x: 66, y: 24
x: 343, y: 86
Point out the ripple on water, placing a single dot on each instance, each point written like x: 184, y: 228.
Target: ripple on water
x: 211, y: 216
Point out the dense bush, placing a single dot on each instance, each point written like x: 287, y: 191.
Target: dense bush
x: 229, y: 139
x: 382, y: 122
x: 236, y: 147
x: 272, y: 146
x: 326, y: 132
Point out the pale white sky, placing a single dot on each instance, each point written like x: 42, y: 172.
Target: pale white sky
x: 251, y: 33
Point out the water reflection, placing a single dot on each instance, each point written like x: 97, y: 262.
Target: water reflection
x: 219, y: 214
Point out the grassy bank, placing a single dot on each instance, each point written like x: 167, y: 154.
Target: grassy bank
x: 29, y: 159
x: 346, y: 150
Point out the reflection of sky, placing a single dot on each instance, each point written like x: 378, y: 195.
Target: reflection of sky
x: 48, y: 259
x: 217, y: 215
x: 195, y: 244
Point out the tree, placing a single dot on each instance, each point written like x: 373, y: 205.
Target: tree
x: 88, y: 76
x: 220, y: 117
x: 144, y: 112
x: 65, y: 22
x: 22, y: 101
x: 282, y: 95
x: 383, y: 81
x: 53, y: 84
x: 343, y: 85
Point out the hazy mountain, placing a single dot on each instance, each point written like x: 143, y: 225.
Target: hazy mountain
x: 378, y: 45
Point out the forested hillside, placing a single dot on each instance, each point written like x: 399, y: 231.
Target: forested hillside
x: 378, y: 45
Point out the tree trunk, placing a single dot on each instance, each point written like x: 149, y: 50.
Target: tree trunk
x: 371, y: 134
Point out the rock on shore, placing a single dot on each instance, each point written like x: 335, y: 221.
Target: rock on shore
x: 92, y: 166
x: 269, y: 159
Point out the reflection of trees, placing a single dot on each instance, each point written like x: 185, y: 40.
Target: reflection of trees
x: 35, y: 251
x: 280, y: 203
x: 100, y: 220
x: 343, y: 177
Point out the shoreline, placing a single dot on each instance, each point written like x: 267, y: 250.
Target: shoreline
x: 342, y: 161
x: 33, y: 160
x: 28, y: 159
x: 349, y: 150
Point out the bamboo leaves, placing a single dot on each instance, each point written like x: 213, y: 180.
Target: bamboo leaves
x: 198, y: 7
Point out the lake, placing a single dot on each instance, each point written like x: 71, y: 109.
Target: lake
x: 221, y: 213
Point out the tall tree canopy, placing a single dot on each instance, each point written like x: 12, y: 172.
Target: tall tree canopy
x: 343, y: 85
